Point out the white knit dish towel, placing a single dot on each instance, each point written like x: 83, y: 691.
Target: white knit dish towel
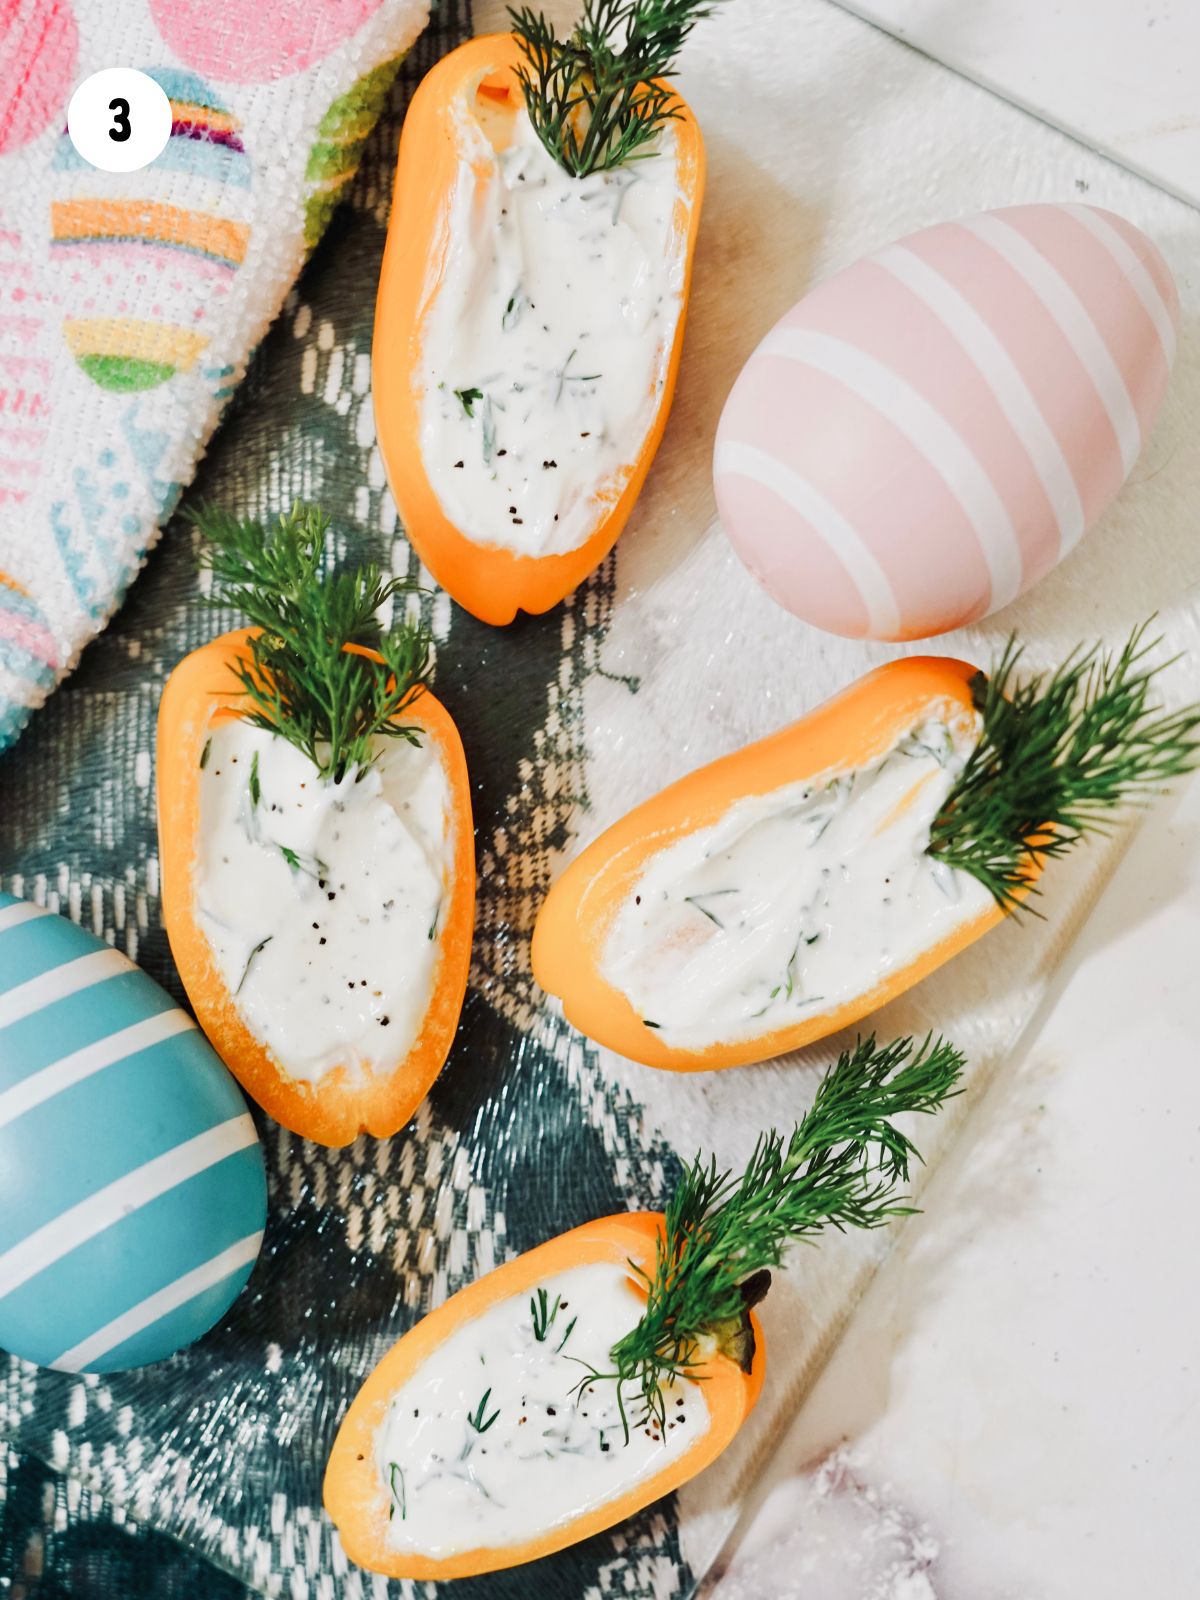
x: 130, y: 302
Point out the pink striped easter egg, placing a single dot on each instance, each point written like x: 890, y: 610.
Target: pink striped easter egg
x: 932, y: 429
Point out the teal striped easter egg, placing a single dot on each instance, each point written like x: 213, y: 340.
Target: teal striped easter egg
x: 132, y: 1188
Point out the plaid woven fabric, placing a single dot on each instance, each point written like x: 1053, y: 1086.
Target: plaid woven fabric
x: 202, y: 1476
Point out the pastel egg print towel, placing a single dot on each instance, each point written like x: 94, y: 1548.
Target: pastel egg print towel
x: 130, y: 302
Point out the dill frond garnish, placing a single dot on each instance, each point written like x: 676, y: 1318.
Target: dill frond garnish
x: 596, y: 98
x: 839, y: 1168
x: 478, y: 1419
x: 1058, y: 753
x: 542, y: 1314
x: 299, y: 679
x: 250, y: 960
x: 400, y: 1495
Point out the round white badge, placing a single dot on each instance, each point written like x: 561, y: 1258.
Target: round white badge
x: 119, y: 119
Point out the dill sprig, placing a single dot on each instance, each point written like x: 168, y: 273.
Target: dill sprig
x: 596, y: 98
x: 542, y: 1314
x: 839, y: 1168
x: 301, y: 681
x: 399, y: 1496
x: 478, y: 1419
x: 1058, y: 753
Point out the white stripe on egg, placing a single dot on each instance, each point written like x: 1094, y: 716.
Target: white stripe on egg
x: 874, y: 588
x: 57, y: 984
x: 23, y: 911
x: 1003, y: 377
x: 943, y: 448
x: 1073, y: 321
x: 159, y: 1305
x: 55, y: 1239
x: 80, y: 1064
x: 1140, y: 281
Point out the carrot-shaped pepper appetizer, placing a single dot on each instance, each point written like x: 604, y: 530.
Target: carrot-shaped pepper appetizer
x: 795, y: 886
x: 531, y: 304
x: 318, y: 868
x: 587, y: 1378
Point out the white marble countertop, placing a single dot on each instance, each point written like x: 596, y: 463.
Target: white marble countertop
x: 1011, y: 1414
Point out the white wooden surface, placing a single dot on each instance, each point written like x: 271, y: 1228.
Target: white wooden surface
x: 1011, y: 1414
x: 1122, y: 75
x: 1007, y: 1414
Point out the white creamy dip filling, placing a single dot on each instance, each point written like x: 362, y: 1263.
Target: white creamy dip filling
x: 796, y: 901
x: 321, y: 900
x: 547, y: 344
x: 490, y: 1444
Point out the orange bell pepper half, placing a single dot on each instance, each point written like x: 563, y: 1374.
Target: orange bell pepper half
x: 492, y: 582
x: 201, y: 692
x: 842, y: 735
x: 357, y: 1498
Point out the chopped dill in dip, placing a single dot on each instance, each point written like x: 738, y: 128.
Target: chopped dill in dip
x: 492, y: 1441
x: 798, y: 900
x: 320, y: 899
x: 546, y: 347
